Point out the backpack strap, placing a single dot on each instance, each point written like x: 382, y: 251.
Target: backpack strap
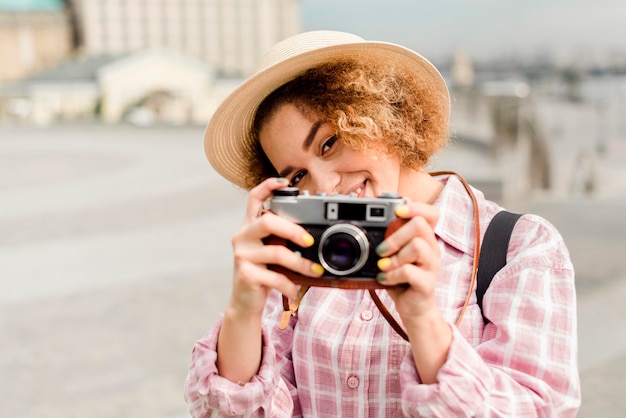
x: 493, y: 252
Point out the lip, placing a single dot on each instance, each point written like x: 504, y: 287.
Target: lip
x: 360, y: 189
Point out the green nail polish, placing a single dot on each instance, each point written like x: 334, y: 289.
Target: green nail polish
x: 281, y: 180
x: 381, y: 277
x: 382, y: 247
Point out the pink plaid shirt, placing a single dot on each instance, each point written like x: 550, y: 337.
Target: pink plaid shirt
x: 340, y: 357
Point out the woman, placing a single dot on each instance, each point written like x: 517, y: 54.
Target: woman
x: 330, y: 112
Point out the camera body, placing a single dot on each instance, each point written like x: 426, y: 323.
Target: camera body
x: 346, y: 228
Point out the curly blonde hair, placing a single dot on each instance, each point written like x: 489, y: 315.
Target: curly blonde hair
x: 371, y: 106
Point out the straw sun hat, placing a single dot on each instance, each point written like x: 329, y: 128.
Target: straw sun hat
x: 227, y: 140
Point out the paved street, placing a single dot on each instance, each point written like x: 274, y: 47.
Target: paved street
x: 115, y: 257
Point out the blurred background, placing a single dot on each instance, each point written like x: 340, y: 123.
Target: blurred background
x: 115, y: 231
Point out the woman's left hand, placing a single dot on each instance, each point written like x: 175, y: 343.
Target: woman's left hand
x: 410, y: 256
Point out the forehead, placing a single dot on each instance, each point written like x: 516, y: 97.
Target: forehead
x: 287, y: 116
x: 286, y: 129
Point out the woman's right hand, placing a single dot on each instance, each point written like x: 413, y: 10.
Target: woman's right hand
x: 239, y: 343
x: 252, y: 280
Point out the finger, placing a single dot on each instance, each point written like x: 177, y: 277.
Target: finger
x: 254, y: 276
x: 417, y: 251
x: 282, y: 256
x: 417, y: 296
x: 272, y: 224
x: 416, y: 227
x: 416, y: 277
x: 259, y: 194
x: 412, y: 209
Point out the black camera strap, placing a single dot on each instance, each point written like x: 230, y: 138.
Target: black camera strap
x: 492, y: 259
x: 493, y: 253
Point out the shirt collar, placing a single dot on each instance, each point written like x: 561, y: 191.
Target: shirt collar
x: 456, y: 214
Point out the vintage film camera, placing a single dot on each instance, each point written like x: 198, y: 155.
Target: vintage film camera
x: 346, y: 229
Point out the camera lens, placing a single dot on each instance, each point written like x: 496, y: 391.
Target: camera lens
x: 343, y: 249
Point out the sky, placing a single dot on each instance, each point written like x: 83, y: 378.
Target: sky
x: 481, y: 28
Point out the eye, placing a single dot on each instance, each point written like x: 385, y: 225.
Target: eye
x: 328, y: 144
x: 297, y: 178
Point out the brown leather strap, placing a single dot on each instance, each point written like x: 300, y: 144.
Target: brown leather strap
x: 291, y: 309
x: 470, y: 289
x: 385, y: 312
x: 372, y: 284
x: 383, y: 309
x: 336, y: 283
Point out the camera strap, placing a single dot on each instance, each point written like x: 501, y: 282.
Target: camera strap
x: 291, y: 309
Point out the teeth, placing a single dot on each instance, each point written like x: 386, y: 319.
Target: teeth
x: 359, y: 190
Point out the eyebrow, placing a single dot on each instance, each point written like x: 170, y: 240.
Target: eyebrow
x: 308, y: 141
x: 311, y: 136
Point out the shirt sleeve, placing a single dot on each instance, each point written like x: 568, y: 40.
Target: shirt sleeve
x: 526, y: 361
x: 270, y: 393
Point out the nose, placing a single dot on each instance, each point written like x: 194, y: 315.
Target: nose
x: 324, y: 180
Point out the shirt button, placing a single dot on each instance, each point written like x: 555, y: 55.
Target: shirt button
x: 353, y: 382
x: 367, y: 315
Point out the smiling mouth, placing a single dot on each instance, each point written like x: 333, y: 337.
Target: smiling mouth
x: 361, y: 189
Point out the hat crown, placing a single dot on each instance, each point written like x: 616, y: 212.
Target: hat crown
x: 303, y: 43
x: 228, y: 138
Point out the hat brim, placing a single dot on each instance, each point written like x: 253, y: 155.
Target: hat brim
x: 227, y: 140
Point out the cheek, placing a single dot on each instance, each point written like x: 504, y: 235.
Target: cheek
x: 386, y: 171
x: 382, y: 162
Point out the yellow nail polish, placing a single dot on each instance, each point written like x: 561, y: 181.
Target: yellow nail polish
x: 317, y: 269
x: 384, y: 263
x: 402, y: 210
x: 308, y: 239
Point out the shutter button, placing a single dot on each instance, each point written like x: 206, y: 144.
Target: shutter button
x: 353, y: 382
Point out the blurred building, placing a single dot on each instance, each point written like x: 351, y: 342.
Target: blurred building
x: 229, y: 35
x: 150, y: 86
x: 34, y: 35
x: 147, y: 61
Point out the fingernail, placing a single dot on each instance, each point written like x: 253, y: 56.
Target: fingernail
x: 281, y: 180
x: 384, y: 263
x: 382, y: 247
x: 402, y: 210
x: 308, y: 239
x: 317, y: 269
x: 381, y: 277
